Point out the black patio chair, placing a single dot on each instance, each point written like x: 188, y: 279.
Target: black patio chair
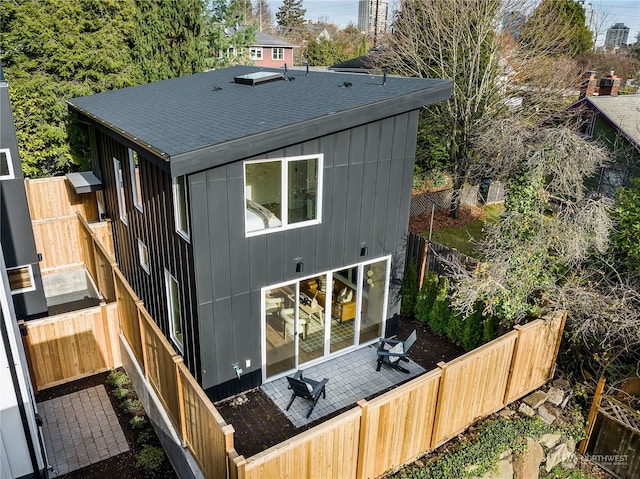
x: 392, y: 351
x: 306, y: 388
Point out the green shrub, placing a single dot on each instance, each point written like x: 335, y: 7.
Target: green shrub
x: 440, y: 311
x: 120, y: 393
x: 409, y: 290
x: 150, y: 458
x: 133, y: 406
x: 146, y: 436
x: 138, y: 422
x: 118, y: 379
x: 426, y: 296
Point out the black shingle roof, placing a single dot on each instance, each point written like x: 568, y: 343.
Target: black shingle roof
x: 205, y: 120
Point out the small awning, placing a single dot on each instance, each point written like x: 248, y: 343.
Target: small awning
x: 84, y: 182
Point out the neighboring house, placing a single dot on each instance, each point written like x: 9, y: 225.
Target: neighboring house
x: 615, y: 121
x: 262, y: 220
x: 21, y: 449
x: 16, y: 233
x: 270, y: 51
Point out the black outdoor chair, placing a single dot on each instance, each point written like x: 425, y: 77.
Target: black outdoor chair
x: 392, y: 351
x: 306, y: 388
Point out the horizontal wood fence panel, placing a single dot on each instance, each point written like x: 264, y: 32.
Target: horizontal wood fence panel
x: 206, y: 434
x: 104, y: 268
x: 59, y: 242
x: 329, y: 450
x: 69, y: 346
x: 128, y: 312
x: 110, y: 317
x: 397, y: 426
x: 536, y: 351
x: 54, y: 197
x: 161, y: 360
x: 473, y: 386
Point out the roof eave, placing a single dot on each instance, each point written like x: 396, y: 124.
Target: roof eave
x: 251, y: 145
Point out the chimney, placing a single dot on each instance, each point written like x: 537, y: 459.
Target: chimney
x: 588, y: 85
x: 609, y: 85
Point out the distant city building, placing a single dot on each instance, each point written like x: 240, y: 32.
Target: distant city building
x: 372, y: 16
x: 616, y: 36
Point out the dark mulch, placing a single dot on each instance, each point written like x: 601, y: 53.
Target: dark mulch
x: 259, y: 424
x: 120, y: 466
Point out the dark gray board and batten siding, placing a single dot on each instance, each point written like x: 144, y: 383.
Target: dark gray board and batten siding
x: 155, y: 227
x: 366, y: 194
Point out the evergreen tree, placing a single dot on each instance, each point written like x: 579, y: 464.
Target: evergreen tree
x: 227, y: 39
x: 290, y: 16
x: 170, y: 38
x: 558, y: 27
x: 54, y: 50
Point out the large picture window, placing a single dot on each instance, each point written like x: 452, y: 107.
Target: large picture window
x: 173, y: 300
x: 282, y: 193
x: 181, y: 206
x: 6, y: 167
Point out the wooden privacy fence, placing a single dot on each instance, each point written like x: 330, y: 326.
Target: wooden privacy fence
x: 431, y: 256
x: 72, y: 345
x: 364, y: 442
x: 404, y: 423
x: 55, y: 197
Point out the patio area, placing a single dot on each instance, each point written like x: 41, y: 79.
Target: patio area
x: 352, y: 377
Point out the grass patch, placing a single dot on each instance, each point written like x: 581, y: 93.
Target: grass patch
x: 462, y: 238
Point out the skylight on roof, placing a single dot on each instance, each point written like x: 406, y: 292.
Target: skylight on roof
x: 257, y: 77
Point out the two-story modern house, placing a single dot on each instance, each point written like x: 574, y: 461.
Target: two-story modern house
x: 261, y: 216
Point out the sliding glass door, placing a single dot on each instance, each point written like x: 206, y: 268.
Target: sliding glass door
x: 312, y: 319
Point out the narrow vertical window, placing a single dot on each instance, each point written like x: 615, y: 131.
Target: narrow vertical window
x: 134, y: 170
x: 6, y: 167
x: 117, y: 167
x: 181, y: 206
x: 143, y: 254
x: 173, y: 300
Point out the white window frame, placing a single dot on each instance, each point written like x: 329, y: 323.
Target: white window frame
x: 122, y: 207
x: 169, y: 280
x: 177, y: 201
x: 143, y: 255
x: 277, y: 53
x: 11, y: 174
x: 31, y: 279
x: 136, y: 192
x: 256, y: 53
x: 284, y: 162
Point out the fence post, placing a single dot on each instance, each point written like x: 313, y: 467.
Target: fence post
x: 363, y: 441
x: 143, y: 339
x: 237, y: 464
x: 181, y: 405
x: 423, y: 262
x: 507, y: 392
x: 107, y: 333
x: 435, y: 433
x: 592, y: 415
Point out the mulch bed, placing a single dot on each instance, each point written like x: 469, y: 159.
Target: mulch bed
x: 123, y: 465
x: 259, y: 423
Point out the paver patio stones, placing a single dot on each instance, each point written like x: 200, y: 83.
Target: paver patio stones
x: 76, y: 425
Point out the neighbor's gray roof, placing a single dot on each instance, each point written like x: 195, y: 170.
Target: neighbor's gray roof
x: 266, y: 40
x: 623, y: 111
x: 205, y: 120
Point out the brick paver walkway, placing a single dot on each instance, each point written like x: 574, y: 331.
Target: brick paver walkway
x: 351, y: 377
x: 80, y: 429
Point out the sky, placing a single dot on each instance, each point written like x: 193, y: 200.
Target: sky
x: 345, y: 12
